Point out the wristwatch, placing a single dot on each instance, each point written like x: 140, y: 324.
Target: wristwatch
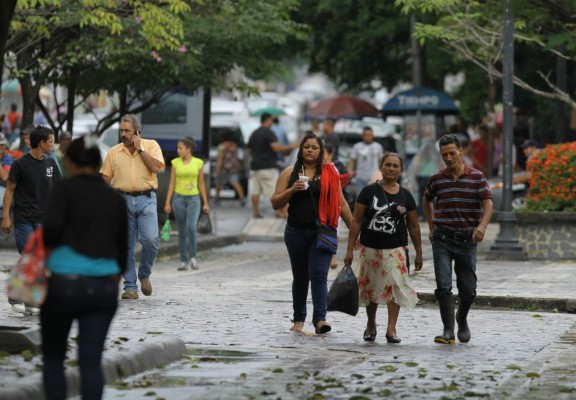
x: 140, y: 150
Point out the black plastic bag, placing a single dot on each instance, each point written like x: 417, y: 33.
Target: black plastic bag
x: 204, y: 223
x: 343, y: 294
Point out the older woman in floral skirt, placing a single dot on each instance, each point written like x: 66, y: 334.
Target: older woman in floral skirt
x: 384, y: 214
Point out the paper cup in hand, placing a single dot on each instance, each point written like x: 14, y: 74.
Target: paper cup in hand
x: 304, y: 179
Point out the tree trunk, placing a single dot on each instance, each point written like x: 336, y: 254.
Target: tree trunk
x: 561, y: 119
x: 123, y: 102
x: 7, y: 8
x: 28, y: 92
x: 70, y: 100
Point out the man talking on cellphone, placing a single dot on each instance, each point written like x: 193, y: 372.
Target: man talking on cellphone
x: 131, y: 167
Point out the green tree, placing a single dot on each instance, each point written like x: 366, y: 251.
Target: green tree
x: 42, y: 32
x: 354, y: 42
x: 125, y: 56
x: 472, y: 30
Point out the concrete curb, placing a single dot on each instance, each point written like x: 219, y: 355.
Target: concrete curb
x: 515, y: 302
x: 168, y: 249
x: 115, y: 365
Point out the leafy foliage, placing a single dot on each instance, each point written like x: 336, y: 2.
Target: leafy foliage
x: 354, y: 42
x: 473, y: 31
x: 140, y: 50
x: 553, y: 186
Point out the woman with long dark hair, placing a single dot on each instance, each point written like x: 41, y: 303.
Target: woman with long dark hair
x: 311, y: 188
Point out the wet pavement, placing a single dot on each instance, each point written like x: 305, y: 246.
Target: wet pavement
x: 234, y: 314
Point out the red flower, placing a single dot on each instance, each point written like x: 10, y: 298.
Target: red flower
x: 552, y: 181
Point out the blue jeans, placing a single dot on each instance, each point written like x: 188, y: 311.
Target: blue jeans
x: 463, y: 253
x: 93, y: 302
x: 308, y: 265
x: 186, y: 210
x: 143, y: 221
x: 22, y: 231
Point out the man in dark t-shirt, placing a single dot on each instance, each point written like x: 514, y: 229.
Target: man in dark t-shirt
x: 29, y: 183
x: 263, y: 146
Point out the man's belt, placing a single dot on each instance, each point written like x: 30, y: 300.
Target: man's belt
x: 139, y: 192
x: 455, y: 234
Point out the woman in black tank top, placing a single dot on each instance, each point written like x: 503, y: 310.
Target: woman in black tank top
x: 300, y: 186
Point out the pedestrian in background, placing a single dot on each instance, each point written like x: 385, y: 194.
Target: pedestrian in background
x: 310, y: 265
x: 330, y: 137
x: 86, y: 232
x: 458, y: 207
x: 365, y: 158
x: 24, y: 145
x: 228, y: 167
x: 384, y: 215
x: 186, y: 195
x: 14, y: 121
x: 64, y: 141
x: 424, y: 164
x: 30, y: 180
x: 282, y: 137
x: 530, y: 148
x: 264, y: 148
x: 6, y: 160
x: 131, y: 167
x: 480, y: 149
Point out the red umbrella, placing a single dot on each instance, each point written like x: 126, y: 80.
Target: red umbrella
x: 347, y: 107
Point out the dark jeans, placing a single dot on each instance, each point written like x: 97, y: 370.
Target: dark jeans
x: 93, y: 302
x: 22, y: 231
x: 463, y: 252
x: 308, y: 265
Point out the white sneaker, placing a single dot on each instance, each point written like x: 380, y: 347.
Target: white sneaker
x: 19, y: 308
x: 193, y: 263
x: 31, y: 311
x: 183, y: 266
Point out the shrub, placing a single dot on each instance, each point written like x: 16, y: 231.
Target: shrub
x: 553, y: 181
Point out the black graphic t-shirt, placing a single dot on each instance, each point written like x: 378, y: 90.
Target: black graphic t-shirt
x: 384, y: 225
x: 34, y: 179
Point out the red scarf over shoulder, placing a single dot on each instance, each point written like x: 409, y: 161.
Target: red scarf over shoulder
x: 330, y: 196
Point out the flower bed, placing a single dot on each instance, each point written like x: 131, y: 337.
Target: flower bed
x: 553, y: 182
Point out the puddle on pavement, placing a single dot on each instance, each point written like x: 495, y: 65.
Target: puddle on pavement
x: 200, y: 367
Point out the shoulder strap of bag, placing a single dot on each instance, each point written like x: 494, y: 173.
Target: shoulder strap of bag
x: 383, y: 191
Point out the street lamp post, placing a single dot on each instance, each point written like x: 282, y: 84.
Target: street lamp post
x: 506, y: 245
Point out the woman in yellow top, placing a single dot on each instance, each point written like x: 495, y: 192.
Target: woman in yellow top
x: 184, y: 192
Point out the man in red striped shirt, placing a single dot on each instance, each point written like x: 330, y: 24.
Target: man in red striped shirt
x: 458, y: 206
